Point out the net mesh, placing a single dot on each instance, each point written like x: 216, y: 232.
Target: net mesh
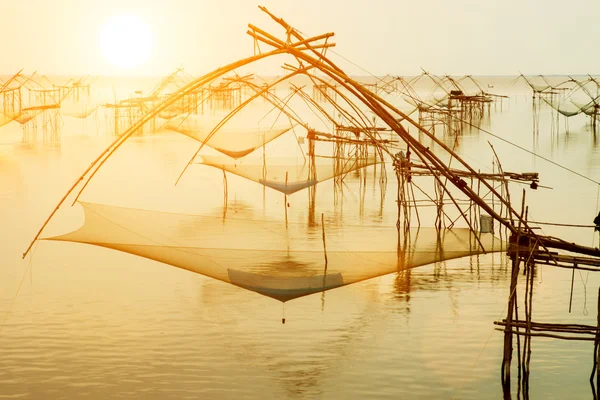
x: 233, y: 140
x: 566, y: 108
x: 276, y: 259
x: 286, y: 178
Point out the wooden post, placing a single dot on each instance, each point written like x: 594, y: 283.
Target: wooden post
x: 572, y: 281
x: 596, y: 343
x: 512, y: 304
x: 507, y: 358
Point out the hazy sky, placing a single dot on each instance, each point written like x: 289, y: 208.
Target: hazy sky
x: 383, y: 36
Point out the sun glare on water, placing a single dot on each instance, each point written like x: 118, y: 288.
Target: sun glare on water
x: 126, y: 41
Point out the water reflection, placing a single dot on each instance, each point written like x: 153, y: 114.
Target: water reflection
x: 306, y: 357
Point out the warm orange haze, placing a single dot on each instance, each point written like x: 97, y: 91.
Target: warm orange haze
x: 299, y: 200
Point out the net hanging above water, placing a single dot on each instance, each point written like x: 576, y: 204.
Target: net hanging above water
x: 566, y: 108
x: 231, y: 140
x: 77, y: 109
x: 278, y: 260
x: 289, y: 178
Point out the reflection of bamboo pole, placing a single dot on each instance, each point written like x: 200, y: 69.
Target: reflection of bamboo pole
x: 285, y: 203
x: 225, y: 190
x: 324, y: 243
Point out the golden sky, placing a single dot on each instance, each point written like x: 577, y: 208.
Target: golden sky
x: 383, y: 36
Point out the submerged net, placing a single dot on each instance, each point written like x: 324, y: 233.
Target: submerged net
x: 287, y: 178
x: 231, y: 140
x: 276, y: 259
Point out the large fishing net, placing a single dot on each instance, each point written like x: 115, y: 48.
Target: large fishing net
x: 274, y: 258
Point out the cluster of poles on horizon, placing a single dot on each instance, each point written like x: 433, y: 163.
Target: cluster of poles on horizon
x: 449, y: 103
x: 567, y: 98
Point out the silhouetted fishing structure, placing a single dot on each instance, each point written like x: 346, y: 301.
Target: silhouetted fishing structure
x: 449, y: 104
x: 341, y: 128
x: 38, y: 105
x: 567, y: 98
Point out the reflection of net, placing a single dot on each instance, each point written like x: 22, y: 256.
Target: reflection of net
x: 231, y: 140
x: 288, y: 178
x: 269, y: 257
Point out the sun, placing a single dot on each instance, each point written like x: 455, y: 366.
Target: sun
x: 126, y: 41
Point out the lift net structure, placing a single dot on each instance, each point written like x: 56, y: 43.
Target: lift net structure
x: 348, y: 129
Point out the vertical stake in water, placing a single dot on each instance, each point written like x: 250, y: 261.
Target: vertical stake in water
x: 572, y: 281
x: 225, y: 191
x: 325, y: 268
x: 285, y: 202
x: 324, y: 244
x: 596, y: 368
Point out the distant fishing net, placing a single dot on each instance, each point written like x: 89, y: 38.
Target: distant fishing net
x: 27, y: 114
x: 288, y: 178
x: 566, y: 108
x: 278, y: 260
x: 232, y: 139
x: 540, y: 87
x: 10, y: 105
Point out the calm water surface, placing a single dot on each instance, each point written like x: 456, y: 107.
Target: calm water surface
x: 86, y: 322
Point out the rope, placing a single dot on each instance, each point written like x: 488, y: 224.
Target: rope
x: 9, y: 311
